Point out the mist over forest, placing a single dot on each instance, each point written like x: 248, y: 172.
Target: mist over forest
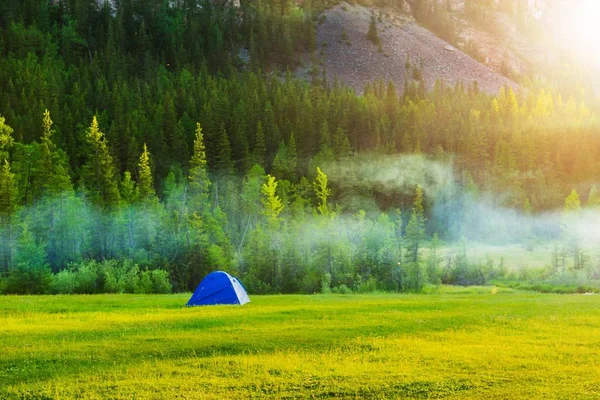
x: 145, y: 144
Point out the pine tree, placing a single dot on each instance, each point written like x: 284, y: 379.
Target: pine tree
x: 280, y: 163
x: 415, y: 230
x: 259, y: 153
x: 272, y: 204
x: 129, y: 196
x: 31, y: 273
x: 223, y: 164
x: 593, y: 200
x: 101, y: 184
x: 54, y: 208
x: 572, y: 203
x: 199, y: 184
x: 53, y: 164
x: 324, y: 138
x: 251, y: 202
x: 341, y: 145
x: 272, y: 132
x: 48, y: 145
x: 571, y: 213
x: 372, y: 34
x: 145, y: 181
x: 322, y: 192
x: 415, y: 235
x: 128, y: 190
x: 99, y: 170
x: 292, y: 155
x: 527, y: 209
x: 147, y: 224
x: 199, y: 223
x: 8, y: 209
x: 433, y: 261
x: 6, y: 139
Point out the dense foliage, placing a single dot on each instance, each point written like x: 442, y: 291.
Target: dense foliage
x: 157, y: 134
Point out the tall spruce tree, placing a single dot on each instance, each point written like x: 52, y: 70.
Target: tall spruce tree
x: 31, y: 273
x: 6, y: 138
x: 570, y: 220
x: 593, y: 200
x: 259, y: 153
x: 199, y: 184
x: 8, y: 208
x: 145, y: 180
x: 272, y: 204
x: 322, y: 192
x: 101, y: 184
x: 415, y: 236
x: 100, y: 177
x: 53, y: 164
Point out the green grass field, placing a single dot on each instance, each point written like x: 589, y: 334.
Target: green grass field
x: 474, y: 344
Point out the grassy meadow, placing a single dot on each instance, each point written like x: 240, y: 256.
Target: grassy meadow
x: 475, y: 343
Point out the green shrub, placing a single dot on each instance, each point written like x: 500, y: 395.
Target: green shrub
x: 120, y: 277
x: 368, y: 286
x: 255, y: 285
x: 144, y: 285
x: 64, y: 282
x: 326, y: 283
x: 131, y: 276
x: 160, y: 281
x: 28, y: 279
x: 110, y: 276
x: 2, y: 285
x: 31, y: 272
x: 112, y: 283
x: 341, y: 289
x: 87, y: 278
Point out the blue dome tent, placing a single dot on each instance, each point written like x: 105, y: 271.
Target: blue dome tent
x: 219, y: 288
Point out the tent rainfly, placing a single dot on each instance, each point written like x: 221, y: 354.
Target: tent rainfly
x: 219, y: 288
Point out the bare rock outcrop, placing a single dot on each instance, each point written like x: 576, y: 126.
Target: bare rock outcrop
x: 348, y: 55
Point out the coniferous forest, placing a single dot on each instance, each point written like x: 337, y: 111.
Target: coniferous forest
x: 146, y: 143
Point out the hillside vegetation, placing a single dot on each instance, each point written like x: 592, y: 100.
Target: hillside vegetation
x: 146, y: 145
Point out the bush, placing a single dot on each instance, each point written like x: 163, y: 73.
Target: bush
x: 255, y: 285
x: 144, y: 285
x: 131, y: 276
x: 28, y: 279
x: 341, y: 289
x: 65, y: 282
x: 368, y: 286
x: 31, y: 272
x: 2, y: 285
x: 110, y: 276
x: 87, y: 278
x: 113, y: 283
x: 160, y: 281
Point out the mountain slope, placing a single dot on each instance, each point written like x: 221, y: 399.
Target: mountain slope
x: 348, y: 55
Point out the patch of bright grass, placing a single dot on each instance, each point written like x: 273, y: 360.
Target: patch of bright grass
x: 476, y: 343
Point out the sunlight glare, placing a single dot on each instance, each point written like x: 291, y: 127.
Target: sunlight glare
x: 579, y: 28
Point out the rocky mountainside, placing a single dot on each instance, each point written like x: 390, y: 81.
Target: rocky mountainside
x: 407, y: 52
